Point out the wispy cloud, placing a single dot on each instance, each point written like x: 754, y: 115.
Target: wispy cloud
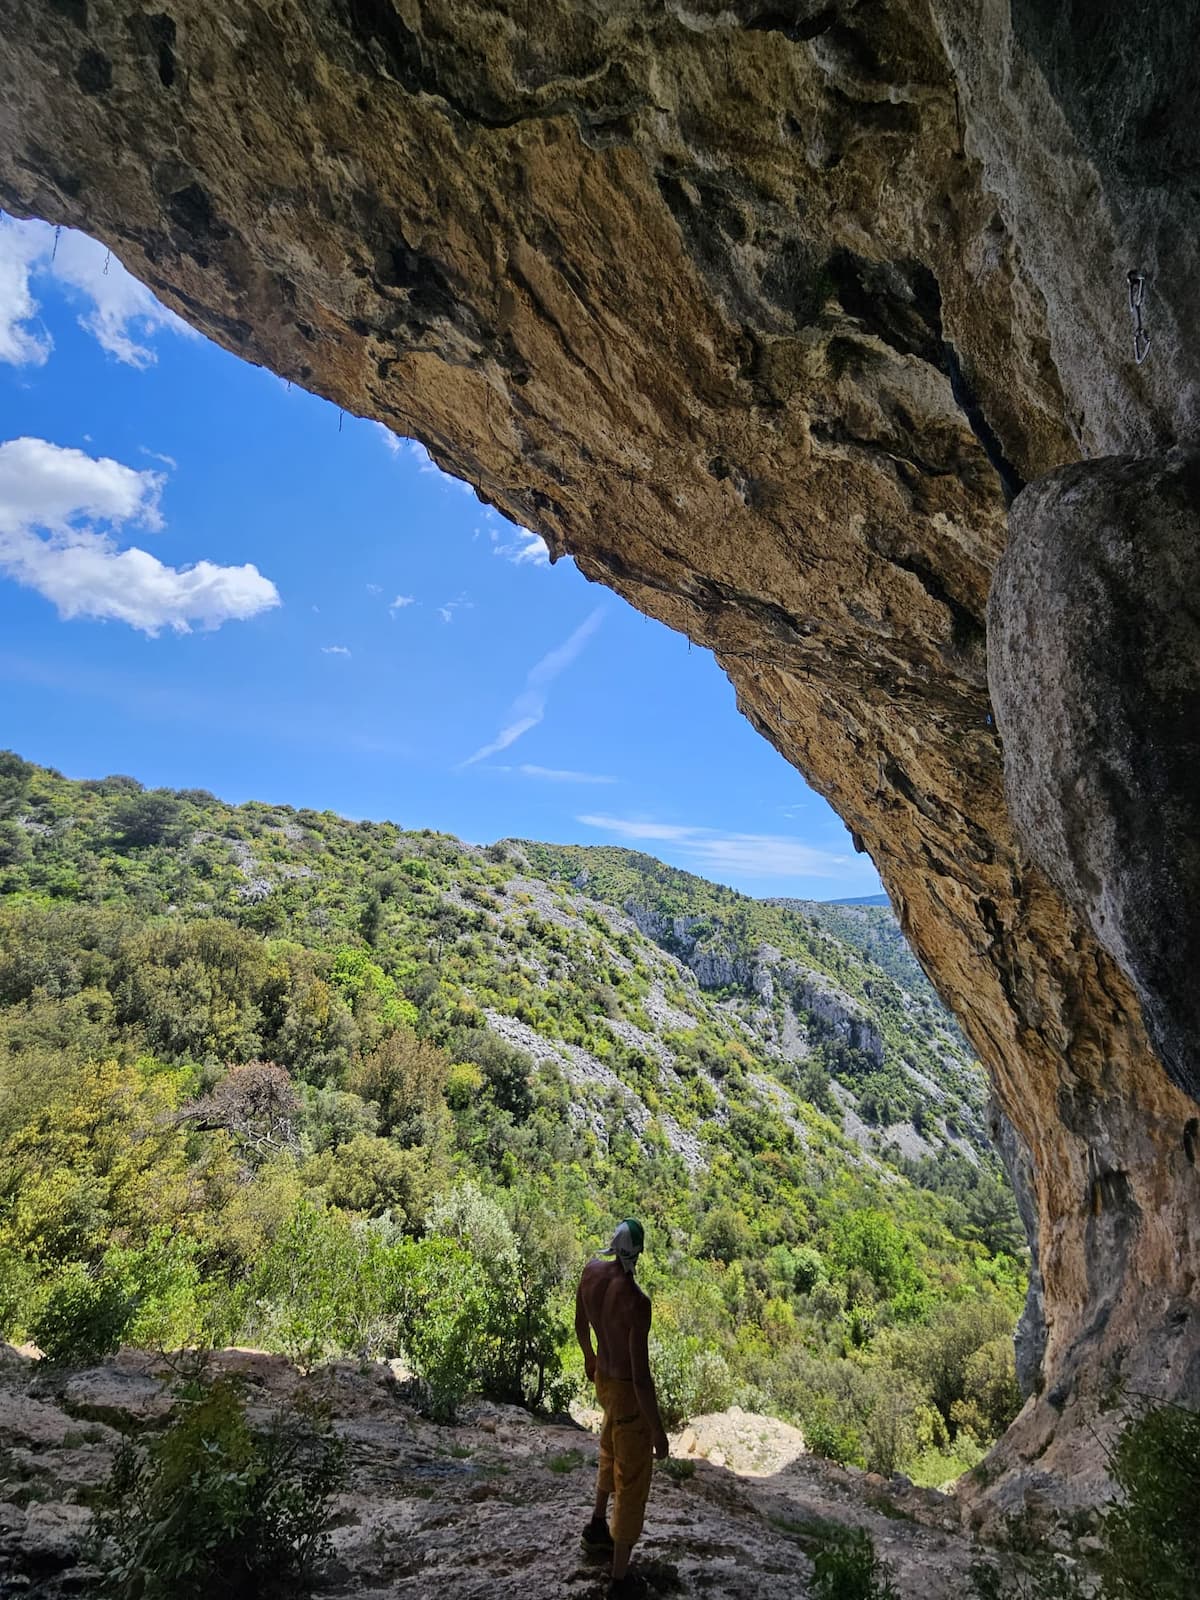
x: 119, y: 312
x: 553, y: 774
x: 447, y: 611
x: 51, y: 498
x: 157, y: 455
x: 402, y: 600
x: 562, y: 775
x: 334, y: 650
x: 528, y: 709
x: 374, y: 588
x: 751, y: 855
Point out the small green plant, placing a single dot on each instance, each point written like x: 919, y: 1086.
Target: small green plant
x: 216, y: 1507
x: 847, y: 1568
x: 567, y: 1461
x: 680, y: 1468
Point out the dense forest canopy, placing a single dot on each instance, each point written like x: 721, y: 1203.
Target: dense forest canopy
x: 324, y: 1086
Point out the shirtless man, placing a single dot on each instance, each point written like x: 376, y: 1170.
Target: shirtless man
x: 609, y: 1301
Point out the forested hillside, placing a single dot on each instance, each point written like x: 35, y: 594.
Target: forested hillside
x: 276, y: 1077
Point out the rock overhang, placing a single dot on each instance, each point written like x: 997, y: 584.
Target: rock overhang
x: 763, y: 314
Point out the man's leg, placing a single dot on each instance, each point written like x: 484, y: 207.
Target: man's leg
x: 633, y: 1462
x: 604, y: 1477
x: 597, y: 1540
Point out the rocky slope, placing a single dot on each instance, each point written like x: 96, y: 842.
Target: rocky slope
x: 762, y: 312
x: 490, y: 1507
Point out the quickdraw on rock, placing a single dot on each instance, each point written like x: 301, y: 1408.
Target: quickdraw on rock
x: 1137, y: 293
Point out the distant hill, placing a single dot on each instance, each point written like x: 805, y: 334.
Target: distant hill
x: 581, y: 956
x: 860, y: 900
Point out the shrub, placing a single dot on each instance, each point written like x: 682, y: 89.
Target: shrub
x: 372, y: 1176
x: 991, y: 1394
x: 256, y: 1106
x: 691, y: 1378
x: 1023, y: 1577
x: 828, y: 1434
x: 322, y: 1287
x: 84, y: 1317
x: 1152, y: 1536
x: 808, y: 1270
x: 939, y: 1356
x: 847, y: 1568
x: 440, y: 1303
x: 145, y: 819
x: 404, y: 1076
x: 215, y: 1507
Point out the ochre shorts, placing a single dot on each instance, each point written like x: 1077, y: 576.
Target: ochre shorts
x: 626, y: 1456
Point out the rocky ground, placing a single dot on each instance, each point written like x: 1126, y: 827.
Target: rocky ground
x: 490, y: 1507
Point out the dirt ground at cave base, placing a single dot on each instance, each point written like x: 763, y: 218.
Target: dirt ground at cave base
x: 491, y: 1506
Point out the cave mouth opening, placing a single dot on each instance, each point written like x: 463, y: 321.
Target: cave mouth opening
x: 134, y: 335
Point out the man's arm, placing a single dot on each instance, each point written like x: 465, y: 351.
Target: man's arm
x: 643, y: 1378
x: 583, y: 1332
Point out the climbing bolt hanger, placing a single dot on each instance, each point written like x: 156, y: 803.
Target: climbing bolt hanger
x: 1137, y: 293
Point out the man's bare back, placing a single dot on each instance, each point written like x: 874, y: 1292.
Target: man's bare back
x: 614, y: 1306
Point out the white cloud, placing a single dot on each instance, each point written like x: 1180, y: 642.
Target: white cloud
x: 119, y: 309
x: 402, y: 600
x: 48, y: 486
x: 528, y: 709
x: 394, y: 444
x: 334, y: 650
x: 753, y: 855
x: 526, y: 550
x: 48, y: 497
x: 421, y: 456
x: 374, y: 588
x: 562, y: 775
x: 153, y: 455
x: 22, y: 342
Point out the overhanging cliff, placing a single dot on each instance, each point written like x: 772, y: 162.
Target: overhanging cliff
x: 763, y: 312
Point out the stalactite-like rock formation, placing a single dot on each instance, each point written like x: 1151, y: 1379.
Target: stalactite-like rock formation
x: 761, y: 311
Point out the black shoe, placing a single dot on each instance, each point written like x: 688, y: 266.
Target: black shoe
x: 631, y: 1587
x: 596, y: 1539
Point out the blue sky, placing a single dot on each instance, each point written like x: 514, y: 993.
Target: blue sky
x: 209, y: 580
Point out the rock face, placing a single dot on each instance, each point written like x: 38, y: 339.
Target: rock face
x: 1029, y: 1341
x: 1094, y: 663
x: 762, y: 312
